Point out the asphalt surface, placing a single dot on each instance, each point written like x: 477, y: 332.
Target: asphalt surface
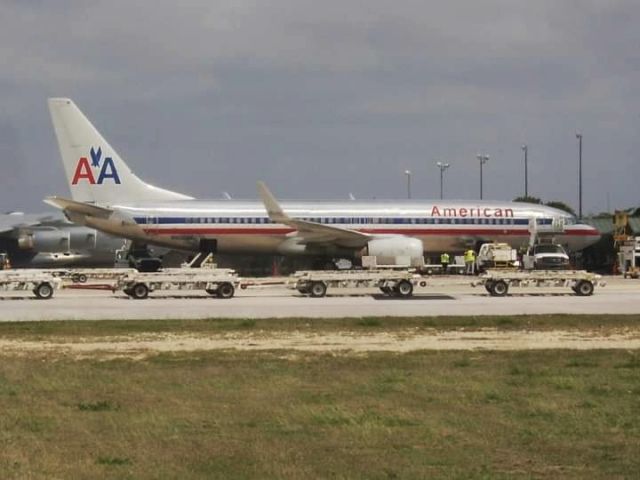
x: 442, y: 296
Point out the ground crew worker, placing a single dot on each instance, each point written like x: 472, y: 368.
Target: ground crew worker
x: 444, y: 261
x: 469, y: 261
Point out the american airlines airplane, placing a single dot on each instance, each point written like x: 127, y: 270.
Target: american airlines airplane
x: 108, y: 196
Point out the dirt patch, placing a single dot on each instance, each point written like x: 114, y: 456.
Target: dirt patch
x: 404, y: 341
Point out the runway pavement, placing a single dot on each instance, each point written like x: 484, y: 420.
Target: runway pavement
x: 443, y: 296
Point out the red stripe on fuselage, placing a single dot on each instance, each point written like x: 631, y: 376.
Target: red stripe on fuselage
x: 383, y: 231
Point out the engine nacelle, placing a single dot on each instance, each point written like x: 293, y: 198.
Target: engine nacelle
x: 63, y: 240
x: 396, y: 250
x: 45, y: 241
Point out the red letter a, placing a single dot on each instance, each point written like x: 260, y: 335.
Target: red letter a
x: 83, y: 171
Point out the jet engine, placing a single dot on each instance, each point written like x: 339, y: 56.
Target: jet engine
x: 63, y: 240
x: 396, y: 250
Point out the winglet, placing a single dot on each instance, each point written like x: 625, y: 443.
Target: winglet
x: 274, y: 210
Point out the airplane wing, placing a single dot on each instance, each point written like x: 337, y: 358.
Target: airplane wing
x: 10, y: 222
x: 311, y: 232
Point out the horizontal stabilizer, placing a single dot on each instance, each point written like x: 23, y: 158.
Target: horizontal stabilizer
x: 78, y: 207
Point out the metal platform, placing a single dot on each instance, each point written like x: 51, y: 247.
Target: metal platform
x: 497, y: 282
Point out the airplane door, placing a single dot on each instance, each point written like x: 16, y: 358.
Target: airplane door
x: 554, y: 226
x: 558, y: 224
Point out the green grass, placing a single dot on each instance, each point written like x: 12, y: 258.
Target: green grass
x: 531, y: 414
x: 37, y: 330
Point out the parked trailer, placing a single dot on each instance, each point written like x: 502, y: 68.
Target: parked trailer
x: 219, y: 282
x: 390, y: 282
x: 497, y: 282
x: 84, y: 275
x: 40, y: 282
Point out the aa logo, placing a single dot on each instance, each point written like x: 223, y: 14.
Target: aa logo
x: 104, y: 168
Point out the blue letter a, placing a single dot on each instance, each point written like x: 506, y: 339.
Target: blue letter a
x: 108, y: 171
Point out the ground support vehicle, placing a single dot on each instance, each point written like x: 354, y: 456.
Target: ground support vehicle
x: 497, y: 282
x: 395, y: 283
x: 496, y: 255
x: 220, y: 282
x: 546, y: 256
x: 629, y: 257
x: 40, y: 282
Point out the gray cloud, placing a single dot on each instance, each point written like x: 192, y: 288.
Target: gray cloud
x: 325, y: 98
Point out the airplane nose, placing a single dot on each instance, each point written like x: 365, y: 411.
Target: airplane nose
x: 591, y: 235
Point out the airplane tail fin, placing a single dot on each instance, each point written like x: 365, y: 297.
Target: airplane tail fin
x: 94, y: 170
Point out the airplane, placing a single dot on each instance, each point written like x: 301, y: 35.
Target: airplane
x: 108, y: 196
x: 49, y: 240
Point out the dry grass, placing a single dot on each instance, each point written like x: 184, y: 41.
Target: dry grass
x: 96, y: 328
x: 548, y: 414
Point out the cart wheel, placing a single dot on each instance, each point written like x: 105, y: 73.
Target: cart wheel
x: 386, y: 290
x: 404, y: 289
x: 488, y: 285
x: 225, y: 290
x: 139, y: 291
x: 499, y: 288
x: 318, y: 289
x: 584, y: 288
x: 44, y: 290
x: 82, y: 278
x: 211, y: 291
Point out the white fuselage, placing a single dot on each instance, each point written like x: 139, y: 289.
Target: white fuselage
x: 244, y: 227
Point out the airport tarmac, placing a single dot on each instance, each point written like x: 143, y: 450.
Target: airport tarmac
x: 443, y: 296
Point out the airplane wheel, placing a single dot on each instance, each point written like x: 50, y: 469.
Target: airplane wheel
x: 44, y: 290
x: 139, y: 291
x: 225, y: 290
x: 584, y: 288
x: 499, y: 288
x: 404, y: 289
x: 318, y: 289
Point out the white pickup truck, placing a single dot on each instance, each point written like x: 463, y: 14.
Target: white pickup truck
x: 546, y: 256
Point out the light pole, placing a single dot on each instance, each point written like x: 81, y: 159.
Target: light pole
x: 483, y: 159
x: 579, y: 137
x: 442, y: 167
x: 408, y: 174
x: 525, y: 149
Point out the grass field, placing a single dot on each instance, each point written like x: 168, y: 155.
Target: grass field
x: 76, y: 329
x: 284, y: 414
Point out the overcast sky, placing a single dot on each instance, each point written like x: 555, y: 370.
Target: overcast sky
x: 324, y: 98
